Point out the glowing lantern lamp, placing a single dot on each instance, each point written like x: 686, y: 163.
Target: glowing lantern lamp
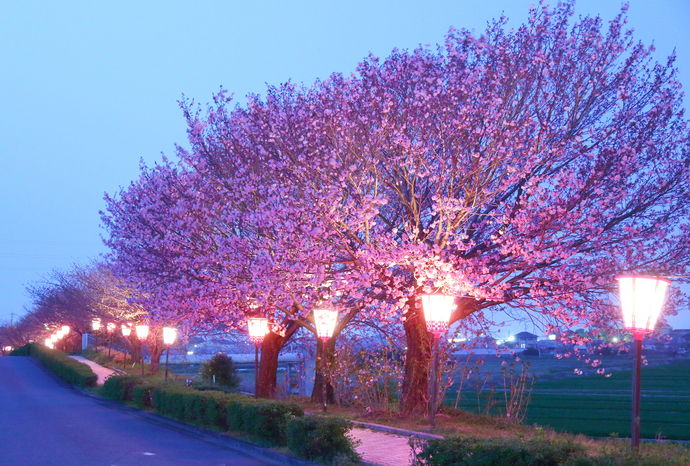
x: 641, y: 300
x: 96, y: 324
x: 325, y: 320
x: 49, y: 342
x: 437, y: 309
x: 258, y: 328
x: 142, y: 333
x: 65, y: 329
x: 169, y: 335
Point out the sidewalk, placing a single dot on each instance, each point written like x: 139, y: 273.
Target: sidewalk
x: 102, y: 372
x: 379, y: 445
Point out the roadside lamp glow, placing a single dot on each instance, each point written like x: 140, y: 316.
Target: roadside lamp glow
x: 325, y: 320
x: 169, y: 335
x: 65, y: 329
x: 641, y: 300
x: 54, y: 338
x: 59, y: 334
x: 437, y: 309
x: 258, y: 328
x: 142, y: 333
x: 126, y: 331
x: 49, y: 342
x: 96, y: 324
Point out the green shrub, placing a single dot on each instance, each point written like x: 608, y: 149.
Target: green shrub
x: 484, y: 452
x: 141, y: 395
x: 224, y: 370
x: 67, y: 368
x: 119, y: 388
x: 234, y: 411
x: 322, y: 439
x: 267, y: 420
x: 21, y: 351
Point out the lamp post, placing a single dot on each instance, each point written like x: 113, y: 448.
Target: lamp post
x: 437, y: 309
x: 257, y: 327
x: 142, y: 333
x: 126, y: 331
x: 641, y: 300
x: 325, y: 320
x: 169, y: 335
x: 110, y: 328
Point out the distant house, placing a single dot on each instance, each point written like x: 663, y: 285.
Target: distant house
x: 525, y: 340
x: 680, y: 338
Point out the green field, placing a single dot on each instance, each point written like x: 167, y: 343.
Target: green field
x: 596, y: 405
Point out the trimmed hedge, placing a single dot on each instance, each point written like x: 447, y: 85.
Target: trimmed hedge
x: 271, y: 422
x: 488, y: 451
x: 322, y: 439
x: 21, y: 351
x: 67, y: 368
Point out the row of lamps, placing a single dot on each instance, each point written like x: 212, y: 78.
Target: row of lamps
x: 641, y: 299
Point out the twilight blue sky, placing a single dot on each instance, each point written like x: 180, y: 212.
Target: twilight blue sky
x: 90, y: 88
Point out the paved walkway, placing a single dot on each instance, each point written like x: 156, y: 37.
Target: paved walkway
x: 378, y: 445
x: 102, y: 372
x: 382, y: 448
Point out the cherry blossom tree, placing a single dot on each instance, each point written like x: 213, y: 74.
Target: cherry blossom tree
x: 521, y: 170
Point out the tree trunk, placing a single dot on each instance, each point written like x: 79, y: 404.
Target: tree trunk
x: 415, y: 387
x: 135, y: 345
x: 268, y: 368
x: 270, y: 350
x: 319, y: 372
x: 156, y: 351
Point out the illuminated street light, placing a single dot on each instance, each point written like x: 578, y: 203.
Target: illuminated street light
x: 96, y: 324
x: 325, y: 320
x: 641, y: 300
x: 257, y: 327
x: 65, y: 329
x: 437, y: 309
x: 169, y: 335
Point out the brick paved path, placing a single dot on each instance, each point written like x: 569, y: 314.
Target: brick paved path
x: 382, y: 448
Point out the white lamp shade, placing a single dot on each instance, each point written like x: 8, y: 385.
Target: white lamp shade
x: 142, y: 331
x: 49, y: 342
x: 325, y: 320
x: 258, y: 328
x: 641, y: 301
x: 437, y: 310
x: 126, y: 331
x: 169, y: 335
x: 65, y: 329
x: 59, y: 334
x: 96, y: 324
x: 54, y: 338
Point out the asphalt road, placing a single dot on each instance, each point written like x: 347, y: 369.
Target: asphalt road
x: 44, y: 422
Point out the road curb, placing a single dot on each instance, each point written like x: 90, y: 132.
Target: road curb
x: 231, y: 443
x: 396, y: 430
x: 217, y: 438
